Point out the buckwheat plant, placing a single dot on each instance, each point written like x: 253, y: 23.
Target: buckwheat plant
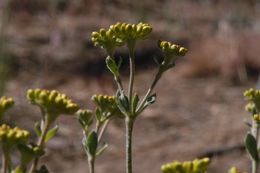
x: 106, y: 109
x: 252, y: 138
x: 52, y: 104
x: 129, y: 103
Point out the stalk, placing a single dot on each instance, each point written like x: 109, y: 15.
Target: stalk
x: 156, y: 79
x: 255, y: 132
x: 129, y: 122
x: 5, y: 159
x: 103, y: 129
x: 91, y: 163
x: 40, y: 144
x: 132, y: 72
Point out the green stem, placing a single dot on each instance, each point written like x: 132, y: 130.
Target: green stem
x: 129, y: 123
x: 132, y: 72
x: 40, y: 143
x: 119, y: 83
x: 155, y: 81
x: 91, y: 163
x: 255, y: 132
x: 5, y: 162
x: 103, y: 129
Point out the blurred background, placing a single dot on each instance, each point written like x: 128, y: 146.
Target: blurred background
x: 200, y: 106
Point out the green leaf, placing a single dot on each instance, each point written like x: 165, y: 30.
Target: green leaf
x: 51, y: 133
x: 98, y: 114
x: 112, y: 66
x: 27, y: 154
x: 37, y: 129
x: 150, y: 100
x: 91, y: 143
x: 122, y: 102
x: 251, y: 146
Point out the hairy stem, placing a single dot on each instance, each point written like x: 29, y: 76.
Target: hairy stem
x: 129, y: 123
x: 132, y: 73
x: 5, y: 159
x: 91, y: 163
x: 255, y: 132
x: 156, y: 79
x: 103, y: 129
x: 40, y: 143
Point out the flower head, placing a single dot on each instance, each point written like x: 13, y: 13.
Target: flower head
x: 126, y: 31
x: 106, y: 106
x: 195, y: 166
x: 253, y: 96
x: 52, y: 102
x: 107, y: 40
x: 119, y: 34
x: 5, y: 103
x: 11, y: 136
x: 170, y: 49
x: 85, y: 118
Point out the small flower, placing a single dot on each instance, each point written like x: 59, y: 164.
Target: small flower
x: 53, y: 103
x: 5, y: 103
x: 253, y: 96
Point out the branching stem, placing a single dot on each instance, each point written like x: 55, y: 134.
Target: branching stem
x: 40, y: 144
x: 129, y: 122
x: 255, y: 132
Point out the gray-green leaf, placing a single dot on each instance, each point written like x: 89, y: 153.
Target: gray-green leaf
x: 122, y: 102
x: 37, y: 129
x: 51, y: 133
x: 251, y: 146
x: 92, y: 143
x: 112, y: 66
x: 150, y: 100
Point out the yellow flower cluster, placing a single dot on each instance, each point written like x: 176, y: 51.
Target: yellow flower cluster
x: 119, y: 34
x: 253, y: 96
x: 196, y: 166
x: 107, y: 104
x: 5, y: 103
x: 53, y: 102
x: 172, y: 49
x: 14, y: 135
x: 235, y: 170
x: 126, y: 31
